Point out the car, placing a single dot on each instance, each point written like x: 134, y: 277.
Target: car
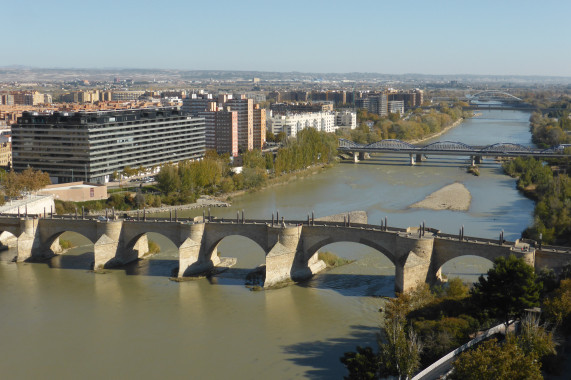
x: 102, y: 218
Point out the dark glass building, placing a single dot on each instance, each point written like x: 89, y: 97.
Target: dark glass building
x: 90, y: 146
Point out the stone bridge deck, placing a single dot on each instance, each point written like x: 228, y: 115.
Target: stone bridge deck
x: 291, y: 247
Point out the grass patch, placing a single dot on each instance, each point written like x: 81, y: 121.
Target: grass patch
x: 153, y: 248
x: 332, y: 260
x: 65, y: 244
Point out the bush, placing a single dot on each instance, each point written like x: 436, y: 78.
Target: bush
x: 332, y: 260
x: 153, y: 247
x: 65, y: 244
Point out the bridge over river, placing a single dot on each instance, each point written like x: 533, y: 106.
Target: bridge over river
x: 446, y: 148
x: 291, y: 247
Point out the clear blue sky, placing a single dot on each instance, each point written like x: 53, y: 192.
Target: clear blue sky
x: 394, y: 37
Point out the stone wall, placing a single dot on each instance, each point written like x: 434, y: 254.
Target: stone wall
x: 35, y: 205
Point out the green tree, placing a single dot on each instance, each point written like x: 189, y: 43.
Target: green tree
x: 456, y: 289
x: 534, y: 339
x: 168, y: 180
x: 557, y: 308
x: 12, y: 184
x: 400, y: 351
x: 362, y: 364
x: 508, y: 289
x: 491, y: 360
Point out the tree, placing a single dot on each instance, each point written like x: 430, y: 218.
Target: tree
x: 557, y: 308
x: 362, y: 365
x: 168, y: 179
x: 534, y: 339
x: 491, y: 360
x: 456, y: 289
x: 508, y: 289
x: 128, y: 171
x: 400, y: 353
x: 12, y: 184
x: 399, y: 346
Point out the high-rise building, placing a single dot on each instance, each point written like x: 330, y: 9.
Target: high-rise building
x: 196, y: 103
x: 245, y: 109
x: 91, y: 146
x: 396, y: 106
x: 378, y: 104
x: 221, y: 130
x: 227, y: 132
x: 259, y: 127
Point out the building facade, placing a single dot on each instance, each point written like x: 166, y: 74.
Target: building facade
x: 221, y: 130
x: 292, y: 124
x: 91, y: 146
x: 346, y: 119
x: 259, y: 127
x: 396, y: 106
x: 245, y: 109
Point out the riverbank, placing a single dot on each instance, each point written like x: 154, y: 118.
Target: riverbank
x: 276, y: 181
x: 202, y: 202
x: 443, y: 131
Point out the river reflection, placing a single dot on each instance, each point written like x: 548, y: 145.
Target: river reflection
x: 60, y: 320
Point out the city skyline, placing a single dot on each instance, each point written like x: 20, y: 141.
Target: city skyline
x: 438, y: 38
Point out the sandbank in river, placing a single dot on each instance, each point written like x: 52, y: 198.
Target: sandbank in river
x: 455, y: 197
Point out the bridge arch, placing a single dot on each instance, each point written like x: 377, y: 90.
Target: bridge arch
x: 389, y: 144
x: 79, y: 255
x: 447, y: 250
x: 316, y: 239
x: 466, y: 267
x: 52, y: 242
x: 448, y: 145
x: 498, y: 94
x: 215, y: 232
x: 505, y: 148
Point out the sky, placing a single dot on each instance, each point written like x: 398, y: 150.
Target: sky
x: 500, y: 37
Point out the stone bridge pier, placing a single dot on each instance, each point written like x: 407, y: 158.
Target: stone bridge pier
x: 280, y: 243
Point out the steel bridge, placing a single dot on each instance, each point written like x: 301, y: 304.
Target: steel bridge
x: 446, y: 148
x: 494, y: 95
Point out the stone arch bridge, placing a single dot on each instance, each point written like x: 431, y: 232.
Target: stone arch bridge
x: 291, y: 247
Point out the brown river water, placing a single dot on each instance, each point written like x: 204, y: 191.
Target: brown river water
x: 58, y: 320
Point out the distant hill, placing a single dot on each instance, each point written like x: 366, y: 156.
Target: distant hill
x: 34, y: 74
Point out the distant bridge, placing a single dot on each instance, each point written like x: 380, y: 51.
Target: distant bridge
x: 445, y: 148
x: 291, y: 248
x: 496, y: 95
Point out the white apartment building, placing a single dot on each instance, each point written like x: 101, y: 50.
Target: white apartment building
x: 346, y: 119
x: 291, y: 124
x: 396, y: 106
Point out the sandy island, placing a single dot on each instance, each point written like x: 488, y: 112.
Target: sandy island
x: 454, y: 197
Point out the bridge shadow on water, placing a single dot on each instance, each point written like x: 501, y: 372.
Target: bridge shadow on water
x: 431, y: 162
x: 83, y: 261
x: 354, y: 285
x: 323, y: 356
x: 156, y: 267
x: 346, y: 284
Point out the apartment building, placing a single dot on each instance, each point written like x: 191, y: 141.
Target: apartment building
x: 221, y: 129
x: 259, y: 127
x: 91, y: 146
x: 291, y: 124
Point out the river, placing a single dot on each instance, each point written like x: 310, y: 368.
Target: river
x: 59, y: 320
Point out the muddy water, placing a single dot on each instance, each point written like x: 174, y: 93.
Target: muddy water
x: 58, y: 320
